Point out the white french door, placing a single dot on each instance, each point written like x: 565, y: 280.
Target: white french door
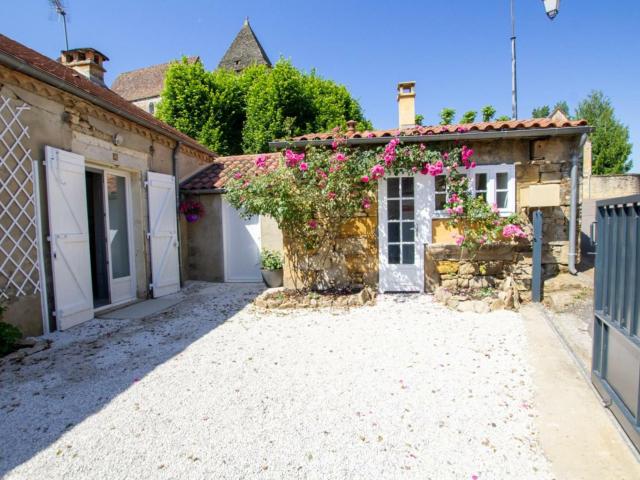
x: 404, y: 226
x: 119, y: 227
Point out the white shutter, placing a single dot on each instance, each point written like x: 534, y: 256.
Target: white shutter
x: 163, y: 234
x: 69, y: 236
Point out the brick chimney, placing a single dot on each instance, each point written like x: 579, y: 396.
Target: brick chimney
x: 87, y: 62
x: 406, y: 104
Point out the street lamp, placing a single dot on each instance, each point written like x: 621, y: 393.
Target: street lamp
x: 551, y: 7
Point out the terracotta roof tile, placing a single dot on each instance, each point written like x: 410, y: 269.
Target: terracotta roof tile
x: 145, y: 82
x: 74, y: 79
x: 216, y: 175
x: 458, y: 128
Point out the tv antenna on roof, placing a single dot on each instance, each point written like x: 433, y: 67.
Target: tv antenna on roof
x: 58, y: 6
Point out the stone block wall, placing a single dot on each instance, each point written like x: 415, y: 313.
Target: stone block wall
x: 353, y: 262
x: 453, y: 267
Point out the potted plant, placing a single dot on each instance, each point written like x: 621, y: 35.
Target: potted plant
x: 271, y: 268
x: 192, y: 210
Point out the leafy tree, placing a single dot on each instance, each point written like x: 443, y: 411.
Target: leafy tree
x: 446, y: 116
x: 488, y: 112
x: 419, y: 119
x: 241, y: 112
x: 541, y: 112
x: 469, y: 117
x: 610, y: 139
x: 503, y: 118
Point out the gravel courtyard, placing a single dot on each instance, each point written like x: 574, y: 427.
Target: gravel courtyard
x: 215, y: 389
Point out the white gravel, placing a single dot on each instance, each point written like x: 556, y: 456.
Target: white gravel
x: 215, y: 389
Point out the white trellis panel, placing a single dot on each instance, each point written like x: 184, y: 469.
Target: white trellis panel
x: 19, y: 261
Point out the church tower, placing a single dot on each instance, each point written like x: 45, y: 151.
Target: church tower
x: 244, y: 51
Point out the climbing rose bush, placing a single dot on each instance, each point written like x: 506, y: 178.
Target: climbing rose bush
x: 311, y: 194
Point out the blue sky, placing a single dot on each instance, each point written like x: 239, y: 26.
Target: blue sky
x: 457, y: 51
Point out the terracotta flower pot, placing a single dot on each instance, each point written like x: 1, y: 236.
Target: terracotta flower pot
x: 192, y: 217
x: 272, y: 278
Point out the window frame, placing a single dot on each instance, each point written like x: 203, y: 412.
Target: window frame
x: 491, y: 171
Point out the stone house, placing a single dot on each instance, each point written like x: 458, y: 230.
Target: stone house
x: 88, y: 204
x: 143, y: 87
x: 406, y: 245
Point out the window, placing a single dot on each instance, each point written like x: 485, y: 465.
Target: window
x: 152, y: 108
x: 496, y: 184
x: 441, y: 192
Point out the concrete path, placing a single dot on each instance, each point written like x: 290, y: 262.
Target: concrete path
x: 578, y: 435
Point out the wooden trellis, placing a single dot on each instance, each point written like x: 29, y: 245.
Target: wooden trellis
x: 19, y: 262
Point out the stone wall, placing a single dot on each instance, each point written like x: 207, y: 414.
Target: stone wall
x: 455, y: 268
x: 353, y: 263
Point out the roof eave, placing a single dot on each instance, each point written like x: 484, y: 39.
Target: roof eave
x: 24, y: 67
x: 442, y: 137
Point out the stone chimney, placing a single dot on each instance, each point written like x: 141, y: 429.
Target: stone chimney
x: 406, y: 104
x: 87, y: 62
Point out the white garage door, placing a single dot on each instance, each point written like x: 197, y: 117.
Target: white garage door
x: 241, y: 246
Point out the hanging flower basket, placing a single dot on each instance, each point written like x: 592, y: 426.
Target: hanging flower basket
x: 191, y: 210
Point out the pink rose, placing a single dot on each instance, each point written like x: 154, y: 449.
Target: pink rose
x: 312, y: 224
x: 366, y: 203
x: 261, y: 161
x: 377, y: 171
x: 364, y: 179
x: 237, y: 175
x: 331, y: 195
x: 304, y: 167
x: 340, y: 157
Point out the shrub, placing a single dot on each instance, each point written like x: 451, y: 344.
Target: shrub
x: 271, y: 260
x: 9, y: 335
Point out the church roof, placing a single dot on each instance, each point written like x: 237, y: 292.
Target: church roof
x: 145, y: 82
x: 245, y: 50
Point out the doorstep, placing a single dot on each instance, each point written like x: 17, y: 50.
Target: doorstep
x: 141, y: 309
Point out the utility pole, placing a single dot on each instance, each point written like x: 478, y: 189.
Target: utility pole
x: 514, y: 82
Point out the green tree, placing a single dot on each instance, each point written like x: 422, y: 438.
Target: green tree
x: 503, y: 118
x: 488, y: 112
x: 469, y: 117
x: 241, y: 112
x: 542, y: 111
x: 610, y: 139
x: 446, y: 116
x: 419, y: 119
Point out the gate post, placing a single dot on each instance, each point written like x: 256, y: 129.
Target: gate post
x: 536, y: 280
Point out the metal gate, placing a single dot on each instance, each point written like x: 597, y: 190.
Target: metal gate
x: 616, y: 340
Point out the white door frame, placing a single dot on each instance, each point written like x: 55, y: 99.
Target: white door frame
x: 399, y: 277
x: 227, y: 242
x: 132, y: 269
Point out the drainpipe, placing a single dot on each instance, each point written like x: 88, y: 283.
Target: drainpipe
x: 174, y: 165
x: 573, y: 220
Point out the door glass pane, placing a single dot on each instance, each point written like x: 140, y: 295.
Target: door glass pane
x: 502, y: 181
x: 501, y: 199
x: 441, y: 199
x: 394, y: 231
x: 408, y: 254
x: 393, y: 209
x: 394, y: 254
x: 407, y: 209
x: 393, y: 187
x: 118, y: 230
x: 407, y: 187
x: 407, y: 232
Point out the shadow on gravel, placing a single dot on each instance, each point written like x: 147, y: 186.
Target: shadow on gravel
x: 50, y: 392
